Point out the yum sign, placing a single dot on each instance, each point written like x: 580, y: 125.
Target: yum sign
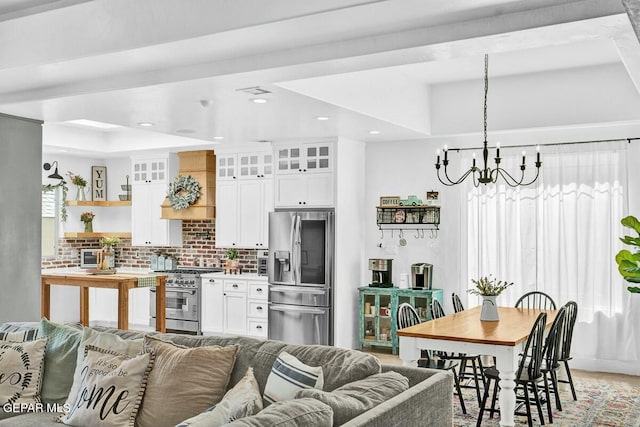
x: 99, y: 183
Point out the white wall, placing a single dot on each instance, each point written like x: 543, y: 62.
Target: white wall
x: 349, y: 232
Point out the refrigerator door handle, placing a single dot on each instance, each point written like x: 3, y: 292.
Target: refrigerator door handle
x: 295, y: 249
x: 298, y: 290
x: 297, y: 309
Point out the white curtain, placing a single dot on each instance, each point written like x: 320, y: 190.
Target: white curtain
x: 560, y: 236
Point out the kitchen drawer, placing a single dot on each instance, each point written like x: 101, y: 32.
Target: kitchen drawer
x: 235, y: 286
x: 259, y: 291
x: 258, y: 309
x: 258, y: 328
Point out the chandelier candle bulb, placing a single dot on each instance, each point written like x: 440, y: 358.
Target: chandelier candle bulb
x: 438, y: 154
x: 524, y: 155
x: 445, y: 152
x: 474, y: 159
x: 537, y: 154
x: 497, y: 149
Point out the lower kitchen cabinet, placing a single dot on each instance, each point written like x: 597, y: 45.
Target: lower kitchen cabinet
x: 234, y: 305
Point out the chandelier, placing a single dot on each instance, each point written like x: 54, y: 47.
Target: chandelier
x: 486, y: 175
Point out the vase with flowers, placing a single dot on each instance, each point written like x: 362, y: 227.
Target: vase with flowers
x: 80, y: 184
x: 489, y: 288
x: 87, y: 218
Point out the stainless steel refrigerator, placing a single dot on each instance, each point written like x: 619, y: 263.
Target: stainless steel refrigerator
x: 300, y: 267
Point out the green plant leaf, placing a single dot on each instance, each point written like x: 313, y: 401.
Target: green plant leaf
x: 631, y: 222
x: 629, y: 265
x: 628, y: 240
x: 633, y: 289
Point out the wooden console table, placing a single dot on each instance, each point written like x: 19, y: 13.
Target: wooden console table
x: 122, y: 282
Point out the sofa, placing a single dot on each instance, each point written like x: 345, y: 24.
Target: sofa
x: 427, y: 399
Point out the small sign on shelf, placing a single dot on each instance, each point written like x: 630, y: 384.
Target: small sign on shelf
x: 99, y: 183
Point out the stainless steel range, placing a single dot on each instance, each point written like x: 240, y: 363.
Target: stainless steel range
x: 183, y: 299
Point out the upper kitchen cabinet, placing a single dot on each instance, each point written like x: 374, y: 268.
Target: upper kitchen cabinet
x: 304, y: 175
x: 244, y: 198
x: 148, y: 191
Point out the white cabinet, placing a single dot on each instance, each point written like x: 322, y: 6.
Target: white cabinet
x: 244, y: 198
x: 212, y: 305
x: 234, y: 306
x: 150, y: 180
x: 304, y: 175
x: 258, y: 309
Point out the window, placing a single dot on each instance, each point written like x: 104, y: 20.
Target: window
x: 49, y: 223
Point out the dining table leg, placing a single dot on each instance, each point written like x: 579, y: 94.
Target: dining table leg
x: 507, y: 364
x: 409, y: 351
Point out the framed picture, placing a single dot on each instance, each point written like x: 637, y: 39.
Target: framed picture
x: 432, y: 195
x: 99, y: 183
x: 387, y: 201
x: 399, y: 217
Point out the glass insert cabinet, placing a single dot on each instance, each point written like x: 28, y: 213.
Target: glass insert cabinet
x: 378, y: 309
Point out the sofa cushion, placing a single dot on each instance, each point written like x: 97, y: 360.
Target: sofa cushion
x: 21, y: 371
x: 106, y: 340
x: 59, y: 360
x: 288, y: 376
x: 184, y: 381
x: 241, y: 401
x: 32, y: 419
x: 109, y: 388
x: 290, y: 413
x: 355, y: 398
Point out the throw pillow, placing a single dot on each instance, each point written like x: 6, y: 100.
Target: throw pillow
x: 290, y: 413
x: 19, y: 336
x: 113, y: 342
x: 110, y: 388
x: 184, y: 381
x: 21, y: 371
x: 59, y: 361
x: 357, y: 397
x: 288, y: 376
x: 241, y: 401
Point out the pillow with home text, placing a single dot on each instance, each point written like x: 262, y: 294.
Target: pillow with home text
x: 109, y: 388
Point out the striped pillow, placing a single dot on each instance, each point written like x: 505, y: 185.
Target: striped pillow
x: 19, y: 336
x: 288, y: 376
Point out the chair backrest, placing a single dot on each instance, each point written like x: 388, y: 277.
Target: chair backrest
x: 407, y: 316
x: 553, y: 341
x: 457, y: 304
x: 436, y: 309
x: 536, y: 299
x: 567, y: 333
x: 531, y: 358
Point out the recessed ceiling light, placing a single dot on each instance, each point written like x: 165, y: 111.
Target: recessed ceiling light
x: 259, y: 100
x: 145, y: 124
x: 93, y: 123
x: 322, y: 118
x: 218, y: 137
x: 374, y: 132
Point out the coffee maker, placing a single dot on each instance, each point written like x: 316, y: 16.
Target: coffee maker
x: 380, y: 272
x: 421, y: 274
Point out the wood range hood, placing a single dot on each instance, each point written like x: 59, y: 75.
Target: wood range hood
x: 201, y: 165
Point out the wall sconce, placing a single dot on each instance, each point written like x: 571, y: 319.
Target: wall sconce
x: 55, y: 174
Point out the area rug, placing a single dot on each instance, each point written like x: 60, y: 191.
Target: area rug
x: 600, y: 403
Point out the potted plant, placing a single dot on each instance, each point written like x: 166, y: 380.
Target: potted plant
x: 629, y: 262
x: 232, y: 255
x: 109, y: 242
x: 489, y: 288
x: 87, y: 218
x: 80, y: 184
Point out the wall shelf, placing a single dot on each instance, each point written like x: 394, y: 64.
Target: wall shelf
x: 408, y: 217
x: 111, y: 203
x: 81, y: 235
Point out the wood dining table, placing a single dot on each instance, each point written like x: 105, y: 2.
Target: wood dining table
x: 464, y: 332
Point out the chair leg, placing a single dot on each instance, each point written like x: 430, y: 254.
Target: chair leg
x: 484, y: 402
x: 548, y: 396
x: 554, y: 382
x: 457, y: 383
x: 475, y: 379
x: 527, y: 404
x: 536, y: 396
x: 573, y: 389
x: 494, y: 398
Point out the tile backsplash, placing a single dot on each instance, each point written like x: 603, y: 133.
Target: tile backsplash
x: 198, y: 247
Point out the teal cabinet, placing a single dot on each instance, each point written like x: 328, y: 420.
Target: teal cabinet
x: 378, y: 308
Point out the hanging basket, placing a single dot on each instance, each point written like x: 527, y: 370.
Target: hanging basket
x: 183, y: 192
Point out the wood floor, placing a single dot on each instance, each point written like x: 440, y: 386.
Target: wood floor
x: 632, y: 380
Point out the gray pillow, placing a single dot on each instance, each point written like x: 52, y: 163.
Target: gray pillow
x: 59, y: 360
x: 290, y: 413
x: 357, y: 397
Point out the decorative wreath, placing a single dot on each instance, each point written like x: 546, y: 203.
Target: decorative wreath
x: 183, y: 192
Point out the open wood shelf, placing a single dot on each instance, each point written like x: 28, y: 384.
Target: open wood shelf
x: 112, y: 203
x: 80, y: 235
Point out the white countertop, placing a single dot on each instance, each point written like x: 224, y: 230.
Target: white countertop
x: 82, y: 270
x: 246, y: 276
